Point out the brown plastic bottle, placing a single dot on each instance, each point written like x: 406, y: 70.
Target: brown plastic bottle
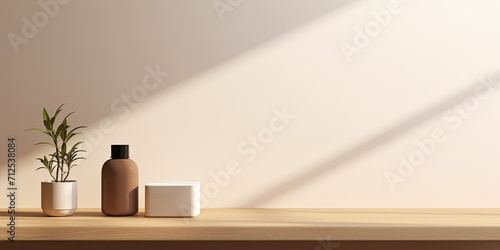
x: 119, y: 183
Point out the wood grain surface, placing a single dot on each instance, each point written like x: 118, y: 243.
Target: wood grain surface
x: 265, y: 225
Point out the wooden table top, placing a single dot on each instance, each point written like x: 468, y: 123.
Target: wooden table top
x: 264, y: 225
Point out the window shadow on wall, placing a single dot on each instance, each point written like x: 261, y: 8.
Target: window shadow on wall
x: 303, y: 178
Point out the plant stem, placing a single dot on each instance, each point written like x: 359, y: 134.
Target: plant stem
x: 57, y: 156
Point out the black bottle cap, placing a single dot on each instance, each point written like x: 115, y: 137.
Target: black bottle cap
x: 119, y: 151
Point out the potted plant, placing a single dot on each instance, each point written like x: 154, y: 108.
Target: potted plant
x: 59, y: 195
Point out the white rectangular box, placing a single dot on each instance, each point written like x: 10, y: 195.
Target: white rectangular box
x: 173, y: 199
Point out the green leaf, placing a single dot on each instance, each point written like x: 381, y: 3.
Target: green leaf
x: 52, y: 121
x: 45, y: 115
x: 63, y: 149
x: 40, y: 168
x: 46, y: 161
x: 75, y: 147
x: 80, y: 151
x: 47, y: 125
x: 77, y: 128
x: 61, y: 160
x: 59, y: 109
x: 36, y: 129
x: 65, y: 118
x: 59, y: 129
x: 72, y: 133
x: 71, y: 136
x: 64, y: 135
x: 45, y: 143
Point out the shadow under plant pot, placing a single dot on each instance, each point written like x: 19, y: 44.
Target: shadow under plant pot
x: 59, y: 198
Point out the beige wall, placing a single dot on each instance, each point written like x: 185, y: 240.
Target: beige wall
x: 231, y: 75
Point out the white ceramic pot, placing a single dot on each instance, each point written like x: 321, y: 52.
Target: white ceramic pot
x: 59, y: 198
